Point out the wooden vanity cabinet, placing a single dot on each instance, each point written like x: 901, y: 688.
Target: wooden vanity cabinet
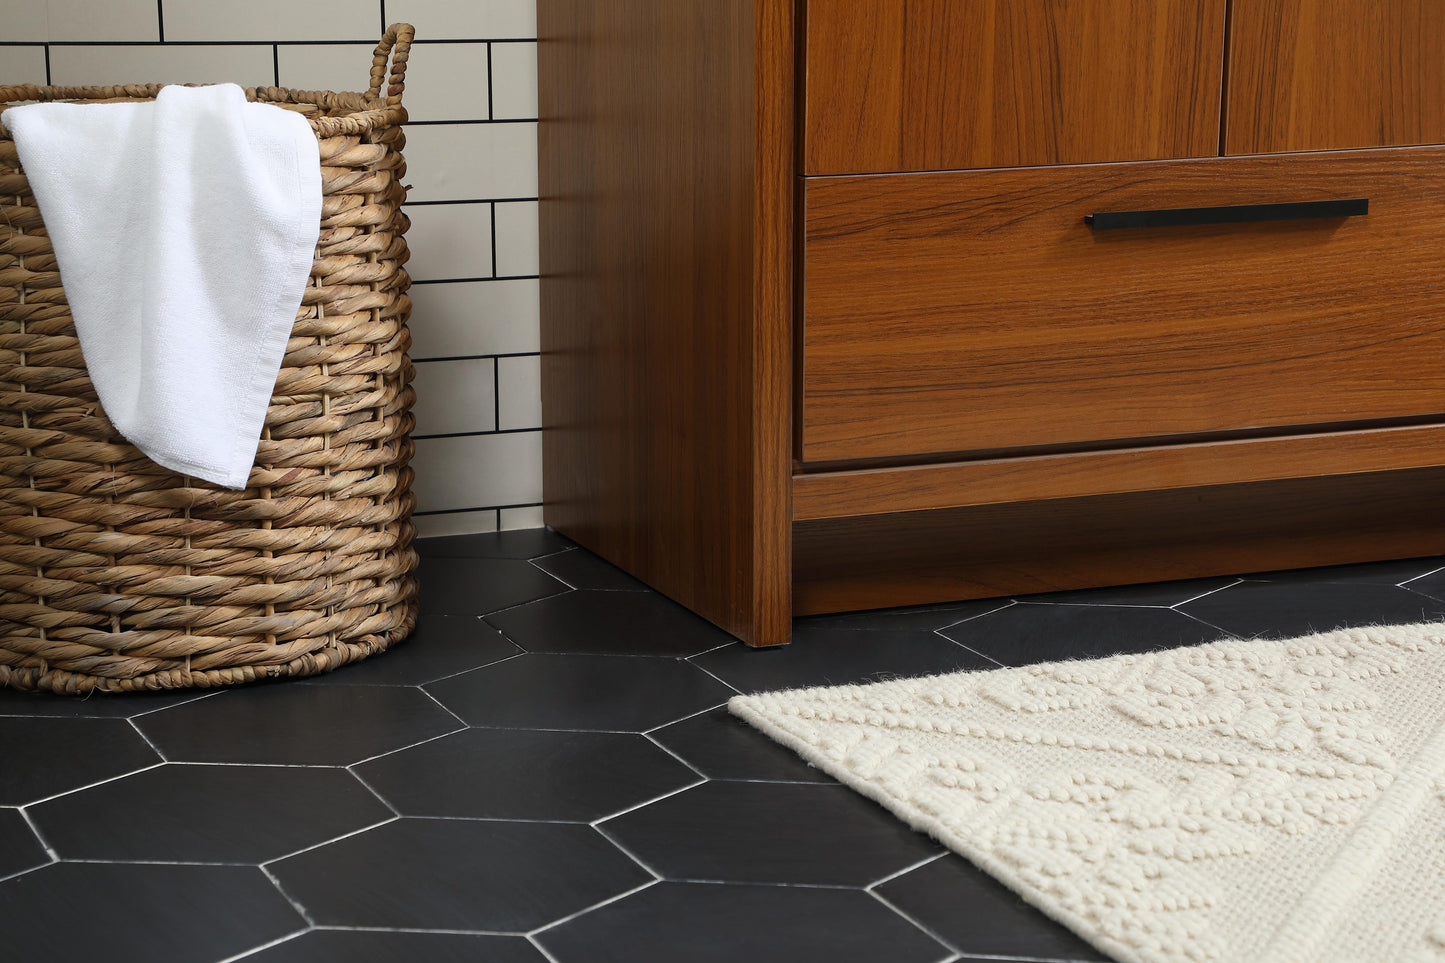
x: 833, y: 317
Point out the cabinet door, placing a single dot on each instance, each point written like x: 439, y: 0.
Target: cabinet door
x: 1335, y: 74
x: 909, y: 85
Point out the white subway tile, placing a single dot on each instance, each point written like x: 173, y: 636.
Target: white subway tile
x: 517, y: 240
x: 519, y: 390
x: 467, y: 318
x: 476, y: 471
x: 268, y: 19
x: 161, y: 64
x: 456, y: 523
x: 446, y: 81
x: 514, y: 80
x: 528, y: 516
x: 467, y: 19
x: 23, y: 20
x: 460, y: 162
x: 450, y: 241
x: 22, y: 65
x: 112, y: 20
x: 455, y: 396
x: 322, y: 66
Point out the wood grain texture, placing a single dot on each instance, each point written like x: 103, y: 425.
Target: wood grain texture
x: 906, y: 85
x: 923, y: 557
x: 666, y: 200
x: 975, y: 310
x: 1335, y: 74
x: 993, y: 481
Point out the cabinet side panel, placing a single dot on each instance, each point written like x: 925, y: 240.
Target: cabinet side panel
x: 651, y: 274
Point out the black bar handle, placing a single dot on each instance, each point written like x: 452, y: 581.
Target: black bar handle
x: 1231, y: 214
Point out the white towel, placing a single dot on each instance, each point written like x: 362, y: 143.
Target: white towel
x: 185, y: 230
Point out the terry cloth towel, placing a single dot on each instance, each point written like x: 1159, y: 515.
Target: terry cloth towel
x: 185, y: 229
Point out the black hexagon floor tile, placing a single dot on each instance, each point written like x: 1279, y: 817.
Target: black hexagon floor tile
x: 1373, y: 573
x: 441, y: 645
x: 1028, y: 632
x: 609, y: 623
x: 381, y: 946
x: 19, y: 849
x: 523, y: 544
x: 583, y: 570
x: 825, y: 655
x: 718, y: 923
x: 44, y: 757
x: 450, y: 874
x: 751, y: 832
x: 979, y: 915
x: 478, y: 586
x: 208, y: 814
x: 129, y: 913
x: 283, y: 724
x: 526, y: 774
x: 610, y: 692
x: 1285, y: 609
x: 721, y: 746
x: 1150, y: 593
x: 97, y: 705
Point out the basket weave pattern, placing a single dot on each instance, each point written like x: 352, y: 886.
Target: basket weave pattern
x: 117, y: 574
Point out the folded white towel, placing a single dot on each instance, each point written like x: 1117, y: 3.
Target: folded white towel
x: 185, y: 230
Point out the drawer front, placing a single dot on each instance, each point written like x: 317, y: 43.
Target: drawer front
x: 1333, y: 75
x: 976, y: 310
x: 911, y: 85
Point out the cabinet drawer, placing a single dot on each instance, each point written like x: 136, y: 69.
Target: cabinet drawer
x: 973, y: 310
x: 910, y: 85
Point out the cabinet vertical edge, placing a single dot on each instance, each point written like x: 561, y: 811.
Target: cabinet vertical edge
x: 666, y: 178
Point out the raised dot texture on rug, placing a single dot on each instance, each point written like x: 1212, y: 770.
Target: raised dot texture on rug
x: 1235, y: 802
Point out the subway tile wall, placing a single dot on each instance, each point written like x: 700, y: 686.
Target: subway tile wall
x: 471, y: 92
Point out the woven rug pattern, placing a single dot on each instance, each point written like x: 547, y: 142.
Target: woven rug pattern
x: 1238, y: 802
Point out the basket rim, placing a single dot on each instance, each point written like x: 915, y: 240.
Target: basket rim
x: 366, y: 112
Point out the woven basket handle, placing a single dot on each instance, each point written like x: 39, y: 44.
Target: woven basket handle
x: 396, y: 44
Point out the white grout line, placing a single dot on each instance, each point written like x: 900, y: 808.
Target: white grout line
x: 295, y: 903
x: 27, y: 872
x: 515, y: 655
x: 531, y: 934
x: 907, y: 869
x: 948, y: 946
x: 92, y: 785
x: 265, y: 946
x: 595, y: 824
x: 969, y: 648
x: 837, y: 887
x: 649, y: 737
x: 327, y: 842
x: 420, y: 930
x: 411, y: 745
x: 722, y: 680
x: 542, y: 950
x: 39, y: 836
x: 533, y: 562
x: 1237, y: 581
x: 700, y: 712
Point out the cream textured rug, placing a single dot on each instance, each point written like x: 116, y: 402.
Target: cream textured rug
x: 1249, y: 802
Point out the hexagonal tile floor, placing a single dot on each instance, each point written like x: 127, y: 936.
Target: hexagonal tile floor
x: 546, y: 772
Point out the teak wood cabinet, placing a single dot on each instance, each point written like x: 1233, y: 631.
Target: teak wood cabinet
x: 836, y: 314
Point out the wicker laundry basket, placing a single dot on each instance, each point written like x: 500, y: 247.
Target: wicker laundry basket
x: 117, y: 574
